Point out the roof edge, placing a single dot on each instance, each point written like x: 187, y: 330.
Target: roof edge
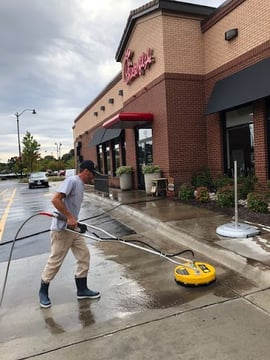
x: 111, y: 84
x: 155, y: 5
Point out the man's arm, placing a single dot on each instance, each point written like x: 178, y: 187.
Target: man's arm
x: 57, y: 201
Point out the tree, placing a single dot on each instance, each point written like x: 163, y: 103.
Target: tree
x: 12, y: 164
x: 68, y: 156
x: 69, y: 159
x: 30, y: 153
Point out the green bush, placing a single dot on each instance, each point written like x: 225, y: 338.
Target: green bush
x: 125, y: 169
x: 202, y: 194
x: 202, y: 178
x: 225, y: 196
x: 246, y: 184
x: 222, y: 181
x: 186, y: 192
x: 258, y: 202
x: 150, y: 168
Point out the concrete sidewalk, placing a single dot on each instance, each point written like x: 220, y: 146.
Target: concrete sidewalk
x: 195, y: 228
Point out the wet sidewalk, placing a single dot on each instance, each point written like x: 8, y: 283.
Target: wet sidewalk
x: 142, y: 313
x: 195, y: 228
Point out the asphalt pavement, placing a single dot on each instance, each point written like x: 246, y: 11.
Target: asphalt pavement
x: 228, y: 324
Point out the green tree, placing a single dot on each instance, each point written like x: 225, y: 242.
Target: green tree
x: 12, y: 164
x: 68, y: 156
x: 69, y: 160
x: 30, y: 153
x: 48, y: 163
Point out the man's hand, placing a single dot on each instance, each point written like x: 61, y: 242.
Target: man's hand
x: 72, y: 223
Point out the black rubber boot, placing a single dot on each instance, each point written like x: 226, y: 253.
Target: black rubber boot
x: 82, y: 290
x: 44, y: 300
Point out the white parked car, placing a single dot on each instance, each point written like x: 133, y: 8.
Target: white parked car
x: 38, y: 179
x: 70, y: 172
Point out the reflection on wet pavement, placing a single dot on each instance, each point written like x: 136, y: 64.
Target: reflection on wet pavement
x: 130, y: 280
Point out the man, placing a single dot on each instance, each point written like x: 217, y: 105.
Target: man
x: 67, y: 201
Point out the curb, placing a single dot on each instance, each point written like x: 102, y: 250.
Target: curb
x: 258, y: 273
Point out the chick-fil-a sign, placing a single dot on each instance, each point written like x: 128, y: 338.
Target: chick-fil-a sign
x: 131, y: 70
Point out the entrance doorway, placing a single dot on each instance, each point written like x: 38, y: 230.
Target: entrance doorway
x: 144, y: 143
x: 240, y: 140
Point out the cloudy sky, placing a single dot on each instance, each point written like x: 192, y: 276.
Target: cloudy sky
x: 56, y: 56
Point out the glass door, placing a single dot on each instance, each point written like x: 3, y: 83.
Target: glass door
x: 144, y: 152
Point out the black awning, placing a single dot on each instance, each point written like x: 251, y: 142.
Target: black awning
x: 240, y: 88
x: 111, y: 134
x: 102, y: 135
x: 97, y: 137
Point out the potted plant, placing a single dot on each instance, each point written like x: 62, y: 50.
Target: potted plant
x: 125, y: 176
x: 150, y: 172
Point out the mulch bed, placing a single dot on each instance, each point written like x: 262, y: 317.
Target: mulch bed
x: 244, y: 214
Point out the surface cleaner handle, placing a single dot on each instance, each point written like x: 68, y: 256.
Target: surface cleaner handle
x: 80, y: 228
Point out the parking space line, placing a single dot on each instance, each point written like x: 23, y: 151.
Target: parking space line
x: 2, y: 192
x: 3, y: 219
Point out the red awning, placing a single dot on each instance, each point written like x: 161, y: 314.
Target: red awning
x: 128, y: 120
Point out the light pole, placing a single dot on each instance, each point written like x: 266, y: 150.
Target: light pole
x: 18, y: 133
x: 58, y: 146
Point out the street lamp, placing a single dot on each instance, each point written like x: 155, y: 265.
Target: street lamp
x: 18, y: 133
x: 58, y: 146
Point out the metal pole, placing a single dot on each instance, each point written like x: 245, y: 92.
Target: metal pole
x: 19, y: 143
x: 235, y: 195
x: 18, y: 134
x: 58, y: 146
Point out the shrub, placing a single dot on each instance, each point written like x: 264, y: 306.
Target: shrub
x: 225, y: 196
x: 258, y: 202
x: 202, y: 178
x: 246, y: 184
x: 202, y: 194
x: 186, y: 192
x: 125, y: 169
x: 222, y: 181
x: 150, y: 168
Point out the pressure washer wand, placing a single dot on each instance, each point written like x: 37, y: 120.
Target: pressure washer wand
x: 82, y: 228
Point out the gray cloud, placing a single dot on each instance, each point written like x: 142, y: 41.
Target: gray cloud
x: 51, y: 56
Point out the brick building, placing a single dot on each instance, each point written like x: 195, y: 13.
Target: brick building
x: 193, y: 92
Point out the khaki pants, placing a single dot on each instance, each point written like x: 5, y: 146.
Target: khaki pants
x: 61, y: 242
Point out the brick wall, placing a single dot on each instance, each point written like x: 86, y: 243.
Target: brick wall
x: 251, y: 18
x: 186, y: 126
x: 260, y: 140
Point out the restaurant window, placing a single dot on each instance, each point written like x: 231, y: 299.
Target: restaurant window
x: 239, y: 140
x: 100, y: 158
x: 107, y: 159
x: 115, y: 155
x: 109, y: 155
x: 145, y: 154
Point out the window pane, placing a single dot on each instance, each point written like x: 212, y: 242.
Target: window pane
x: 240, y: 140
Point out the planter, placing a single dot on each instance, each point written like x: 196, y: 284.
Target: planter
x: 125, y: 181
x: 148, y: 177
x: 124, y: 173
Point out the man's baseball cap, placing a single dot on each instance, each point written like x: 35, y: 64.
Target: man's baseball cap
x: 89, y: 165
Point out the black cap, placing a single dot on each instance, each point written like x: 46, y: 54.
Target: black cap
x: 89, y: 165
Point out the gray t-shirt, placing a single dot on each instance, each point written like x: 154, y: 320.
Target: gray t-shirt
x: 73, y: 188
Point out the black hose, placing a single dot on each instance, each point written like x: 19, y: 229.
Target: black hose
x: 25, y: 237
x: 10, y: 255
x: 89, y: 218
